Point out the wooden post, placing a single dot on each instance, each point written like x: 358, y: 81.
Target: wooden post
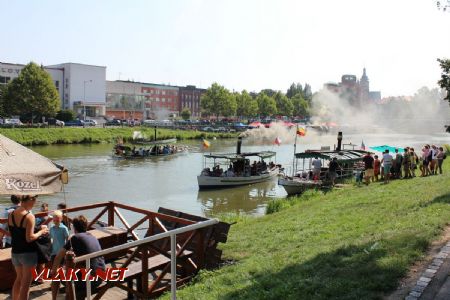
x: 70, y: 290
x: 201, y: 248
x: 111, y: 213
x: 144, y: 280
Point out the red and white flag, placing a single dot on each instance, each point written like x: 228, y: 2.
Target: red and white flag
x: 277, y: 141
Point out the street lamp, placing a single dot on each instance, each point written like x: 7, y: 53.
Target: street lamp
x: 84, y: 98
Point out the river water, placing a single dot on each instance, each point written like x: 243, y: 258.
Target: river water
x: 171, y: 181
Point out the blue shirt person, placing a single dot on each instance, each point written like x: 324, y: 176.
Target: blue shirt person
x: 59, y: 233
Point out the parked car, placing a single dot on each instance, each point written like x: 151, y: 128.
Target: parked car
x: 13, y: 122
x: 221, y: 129
x: 75, y: 123
x: 114, y: 122
x: 90, y: 122
x: 56, y: 122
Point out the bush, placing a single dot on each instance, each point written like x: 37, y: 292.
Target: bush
x: 65, y: 115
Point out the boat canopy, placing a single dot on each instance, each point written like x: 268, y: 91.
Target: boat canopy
x: 386, y: 147
x: 234, y: 156
x: 343, y: 155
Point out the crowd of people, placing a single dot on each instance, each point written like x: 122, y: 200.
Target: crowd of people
x: 36, y: 244
x: 142, y: 152
x: 403, y: 165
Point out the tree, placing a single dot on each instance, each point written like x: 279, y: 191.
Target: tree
x: 32, y: 92
x: 284, y: 104
x: 229, y: 106
x: 294, y: 89
x: 2, y: 94
x: 307, y: 93
x: 301, y: 107
x: 268, y: 92
x: 267, y: 105
x: 247, y: 106
x: 185, y: 113
x: 445, y: 76
x: 65, y: 115
x: 215, y: 98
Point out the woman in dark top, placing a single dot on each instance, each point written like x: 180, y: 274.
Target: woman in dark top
x: 23, y: 253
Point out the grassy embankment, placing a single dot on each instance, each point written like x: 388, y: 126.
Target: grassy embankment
x: 354, y: 243
x: 47, y: 136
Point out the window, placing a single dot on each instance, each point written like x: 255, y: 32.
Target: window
x: 163, y: 92
x: 4, y: 80
x: 157, y: 99
x: 57, y: 84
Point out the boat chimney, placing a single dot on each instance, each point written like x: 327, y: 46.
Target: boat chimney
x: 339, y: 138
x: 239, y: 144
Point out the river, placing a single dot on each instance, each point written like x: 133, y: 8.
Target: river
x: 171, y: 181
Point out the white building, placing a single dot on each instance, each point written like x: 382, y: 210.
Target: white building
x: 81, y: 87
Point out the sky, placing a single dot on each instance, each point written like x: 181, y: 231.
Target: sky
x: 241, y: 44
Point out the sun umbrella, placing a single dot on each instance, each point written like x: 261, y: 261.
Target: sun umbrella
x: 25, y: 172
x: 255, y: 124
x: 386, y: 147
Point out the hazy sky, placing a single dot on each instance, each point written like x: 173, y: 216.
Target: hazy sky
x: 242, y: 44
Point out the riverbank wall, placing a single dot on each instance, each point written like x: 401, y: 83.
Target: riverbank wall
x: 357, y: 242
x: 48, y: 136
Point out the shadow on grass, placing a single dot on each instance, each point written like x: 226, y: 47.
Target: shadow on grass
x: 441, y: 199
x: 354, y: 272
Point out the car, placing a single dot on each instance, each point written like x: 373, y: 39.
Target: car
x: 13, y: 122
x: 114, y: 122
x: 149, y: 122
x: 221, y: 129
x: 56, y: 122
x: 90, y: 122
x: 75, y: 123
x: 207, y: 129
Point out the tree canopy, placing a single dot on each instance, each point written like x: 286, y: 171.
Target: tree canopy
x: 284, y: 104
x: 33, y: 91
x: 267, y: 105
x: 247, y: 106
x: 445, y: 76
x: 300, y: 106
x: 185, y: 113
x: 217, y: 100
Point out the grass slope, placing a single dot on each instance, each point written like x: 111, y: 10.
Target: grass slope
x: 47, y: 136
x: 354, y: 243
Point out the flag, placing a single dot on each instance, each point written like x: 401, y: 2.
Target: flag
x: 363, y: 147
x: 301, y: 131
x: 277, y: 141
x: 206, y: 144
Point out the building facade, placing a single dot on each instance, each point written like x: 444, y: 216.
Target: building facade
x: 356, y: 92
x: 190, y: 98
x: 81, y: 87
x: 138, y: 100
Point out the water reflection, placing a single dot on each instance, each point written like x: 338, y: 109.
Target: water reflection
x: 246, y: 199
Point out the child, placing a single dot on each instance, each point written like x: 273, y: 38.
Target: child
x: 376, y: 166
x: 42, y: 220
x: 59, y: 233
x: 62, y: 206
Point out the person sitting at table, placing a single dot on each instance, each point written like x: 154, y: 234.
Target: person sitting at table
x: 82, y: 243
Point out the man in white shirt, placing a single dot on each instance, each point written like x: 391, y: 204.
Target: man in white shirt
x: 433, y: 163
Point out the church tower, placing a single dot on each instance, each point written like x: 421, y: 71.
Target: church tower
x: 364, y: 88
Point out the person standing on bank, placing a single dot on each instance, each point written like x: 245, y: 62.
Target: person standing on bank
x: 24, y: 255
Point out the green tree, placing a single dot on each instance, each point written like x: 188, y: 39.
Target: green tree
x: 284, y: 104
x: 247, y: 106
x: 215, y: 99
x: 2, y: 95
x: 268, y: 92
x: 32, y: 92
x: 229, y: 106
x: 185, y: 113
x: 301, y: 107
x: 267, y: 105
x: 445, y: 76
x: 294, y: 89
x: 65, y: 115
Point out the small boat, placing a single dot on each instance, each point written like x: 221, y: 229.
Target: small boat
x: 121, y: 151
x: 153, y: 142
x: 350, y: 162
x: 239, y: 169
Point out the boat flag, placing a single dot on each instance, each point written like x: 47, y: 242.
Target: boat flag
x: 277, y: 141
x: 206, y: 144
x: 301, y: 131
x: 363, y: 147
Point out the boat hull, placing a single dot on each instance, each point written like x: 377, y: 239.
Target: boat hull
x: 210, y: 182
x: 294, y: 187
